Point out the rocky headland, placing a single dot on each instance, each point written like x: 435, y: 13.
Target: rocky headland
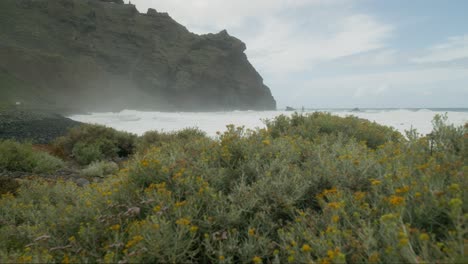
x: 94, y: 55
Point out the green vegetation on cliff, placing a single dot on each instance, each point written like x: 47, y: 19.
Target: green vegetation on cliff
x: 94, y: 55
x: 307, y: 189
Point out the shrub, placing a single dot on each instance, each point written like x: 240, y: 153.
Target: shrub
x: 100, y: 169
x: 90, y: 143
x: 311, y: 125
x: 156, y: 138
x: 15, y: 156
x: 85, y: 154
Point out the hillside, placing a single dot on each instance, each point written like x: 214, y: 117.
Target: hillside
x: 98, y: 56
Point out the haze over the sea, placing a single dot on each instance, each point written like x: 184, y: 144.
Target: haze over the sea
x: 211, y: 122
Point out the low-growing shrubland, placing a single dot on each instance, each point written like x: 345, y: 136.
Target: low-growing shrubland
x: 291, y: 193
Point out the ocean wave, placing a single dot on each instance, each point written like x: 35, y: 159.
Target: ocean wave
x: 140, y: 121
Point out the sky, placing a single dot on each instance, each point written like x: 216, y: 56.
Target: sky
x: 344, y: 53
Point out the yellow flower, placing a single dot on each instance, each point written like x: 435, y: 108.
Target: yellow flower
x: 359, y: 195
x: 403, y: 189
x: 334, y: 205
x: 396, y: 200
x: 330, y: 230
x: 335, y: 219
x: 193, y: 229
x: 157, y: 208
x: 374, y: 257
x: 183, y: 221
x: 134, y: 241
x: 251, y: 231
x: 417, y: 194
x: 330, y: 191
x: 375, y: 182
x: 291, y: 259
x: 256, y: 260
x: 66, y: 259
x: 221, y: 258
x: 306, y: 248
x: 403, y: 242
x: 424, y: 237
x: 115, y: 227
x: 25, y: 259
x: 180, y: 204
x: 266, y: 142
x: 333, y: 253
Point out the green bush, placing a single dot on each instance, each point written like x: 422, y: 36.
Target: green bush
x: 100, y: 169
x: 311, y: 125
x: 15, y: 156
x: 157, y: 139
x: 90, y: 143
x: 85, y: 153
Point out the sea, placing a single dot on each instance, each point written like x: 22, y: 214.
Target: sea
x: 139, y: 122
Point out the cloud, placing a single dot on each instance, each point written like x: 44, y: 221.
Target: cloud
x: 287, y: 46
x: 282, y: 36
x: 204, y: 16
x: 454, y: 48
x: 388, y: 88
x: 381, y: 57
x: 370, y: 91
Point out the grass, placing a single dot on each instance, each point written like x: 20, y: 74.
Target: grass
x: 305, y: 189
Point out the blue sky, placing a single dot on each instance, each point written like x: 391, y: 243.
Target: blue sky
x: 344, y: 53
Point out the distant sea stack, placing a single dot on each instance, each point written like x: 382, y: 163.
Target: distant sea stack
x: 96, y: 55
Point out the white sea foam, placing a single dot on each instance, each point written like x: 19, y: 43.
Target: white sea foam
x: 139, y: 122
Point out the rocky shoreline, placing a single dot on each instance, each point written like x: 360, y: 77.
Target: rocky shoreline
x: 39, y: 126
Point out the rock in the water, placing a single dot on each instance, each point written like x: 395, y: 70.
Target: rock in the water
x: 99, y: 56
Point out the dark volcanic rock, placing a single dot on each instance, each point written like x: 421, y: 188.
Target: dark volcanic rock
x: 94, y: 55
x: 39, y: 126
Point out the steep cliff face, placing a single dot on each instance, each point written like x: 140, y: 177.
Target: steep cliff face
x: 97, y: 56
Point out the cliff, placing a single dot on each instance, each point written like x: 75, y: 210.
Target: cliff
x: 95, y: 55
